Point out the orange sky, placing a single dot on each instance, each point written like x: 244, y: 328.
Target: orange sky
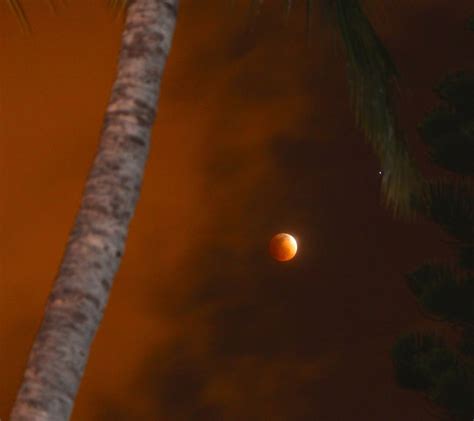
x: 254, y: 135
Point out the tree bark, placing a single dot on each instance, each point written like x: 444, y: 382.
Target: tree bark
x: 96, y: 243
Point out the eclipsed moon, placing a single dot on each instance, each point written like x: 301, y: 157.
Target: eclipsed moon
x: 283, y: 247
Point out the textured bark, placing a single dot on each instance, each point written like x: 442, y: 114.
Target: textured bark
x: 80, y: 293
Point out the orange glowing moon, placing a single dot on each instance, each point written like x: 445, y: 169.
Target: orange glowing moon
x: 283, y: 247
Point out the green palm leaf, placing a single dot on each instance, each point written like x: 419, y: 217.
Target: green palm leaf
x: 372, y: 76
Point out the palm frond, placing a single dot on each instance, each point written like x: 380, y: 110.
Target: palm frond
x: 444, y: 291
x: 372, y: 76
x: 449, y: 136
x: 470, y: 23
x: 425, y: 362
x: 450, y: 203
x: 117, y: 4
x: 457, y: 89
x: 117, y: 7
x: 466, y: 256
x: 18, y: 11
x: 408, y: 354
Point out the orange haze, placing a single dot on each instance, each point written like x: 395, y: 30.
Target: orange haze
x: 254, y: 132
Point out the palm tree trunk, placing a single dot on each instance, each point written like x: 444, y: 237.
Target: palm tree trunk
x: 76, y: 304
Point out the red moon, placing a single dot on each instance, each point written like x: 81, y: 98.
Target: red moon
x: 283, y: 247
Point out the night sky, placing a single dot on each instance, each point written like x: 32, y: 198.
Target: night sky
x: 254, y: 136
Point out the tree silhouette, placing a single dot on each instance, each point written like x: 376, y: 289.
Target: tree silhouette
x: 425, y: 362
x: 449, y: 130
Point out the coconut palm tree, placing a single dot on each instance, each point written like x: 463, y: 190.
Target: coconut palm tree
x: 76, y: 304
x: 96, y: 243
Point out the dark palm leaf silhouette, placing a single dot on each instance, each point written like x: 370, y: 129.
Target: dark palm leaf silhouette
x: 448, y: 131
x: 451, y: 205
x: 444, y: 291
x: 424, y: 362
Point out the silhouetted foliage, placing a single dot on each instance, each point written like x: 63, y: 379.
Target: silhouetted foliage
x: 409, y: 354
x: 449, y: 129
x: 424, y: 362
x: 470, y: 23
x: 450, y: 203
x: 466, y: 256
x: 466, y: 345
x: 372, y: 77
x: 443, y: 292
